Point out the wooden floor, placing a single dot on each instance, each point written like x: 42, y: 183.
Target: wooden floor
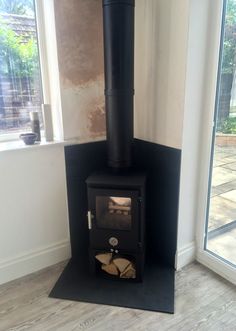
x: 204, y: 301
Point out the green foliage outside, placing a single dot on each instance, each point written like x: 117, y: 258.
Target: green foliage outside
x: 229, y: 61
x: 16, y: 55
x: 225, y: 123
x: 228, y: 126
x: 18, y: 7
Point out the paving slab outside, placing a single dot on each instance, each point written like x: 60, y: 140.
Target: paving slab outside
x: 222, y: 212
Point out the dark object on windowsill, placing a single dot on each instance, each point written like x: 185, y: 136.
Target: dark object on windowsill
x: 28, y: 138
x: 35, y: 124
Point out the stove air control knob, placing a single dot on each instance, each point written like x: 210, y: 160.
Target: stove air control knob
x: 113, y: 241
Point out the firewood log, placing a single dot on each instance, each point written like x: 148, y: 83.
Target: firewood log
x: 121, y: 201
x: 104, y: 258
x: 121, y: 263
x: 129, y: 272
x: 117, y: 207
x: 111, y: 269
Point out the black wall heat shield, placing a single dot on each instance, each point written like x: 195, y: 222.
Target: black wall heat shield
x: 118, y: 25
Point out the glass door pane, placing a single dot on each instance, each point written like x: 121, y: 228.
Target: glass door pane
x: 113, y: 212
x: 221, y: 222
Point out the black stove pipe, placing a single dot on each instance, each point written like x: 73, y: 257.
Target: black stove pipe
x: 118, y: 29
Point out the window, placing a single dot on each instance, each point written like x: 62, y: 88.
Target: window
x: 20, y: 76
x: 220, y: 238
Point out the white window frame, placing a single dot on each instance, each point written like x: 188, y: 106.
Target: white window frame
x: 50, y: 70
x: 43, y: 57
x: 203, y: 256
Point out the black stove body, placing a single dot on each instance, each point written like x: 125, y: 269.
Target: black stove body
x: 116, y: 218
x: 116, y: 197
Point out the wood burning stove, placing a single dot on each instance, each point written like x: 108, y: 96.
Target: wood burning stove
x: 116, y: 197
x: 116, y: 219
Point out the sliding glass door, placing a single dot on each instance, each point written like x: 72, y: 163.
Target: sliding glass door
x: 220, y: 231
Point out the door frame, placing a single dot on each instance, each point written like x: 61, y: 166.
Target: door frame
x: 213, y: 65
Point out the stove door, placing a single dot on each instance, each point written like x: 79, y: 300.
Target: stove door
x: 114, y: 218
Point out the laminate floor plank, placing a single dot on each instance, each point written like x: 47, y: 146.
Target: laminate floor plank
x: 204, y: 302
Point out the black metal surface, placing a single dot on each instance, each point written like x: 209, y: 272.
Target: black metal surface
x: 81, y: 160
x: 155, y: 293
x: 107, y: 179
x: 118, y: 28
x: 162, y: 165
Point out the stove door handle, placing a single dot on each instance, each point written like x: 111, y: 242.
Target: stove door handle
x: 90, y: 216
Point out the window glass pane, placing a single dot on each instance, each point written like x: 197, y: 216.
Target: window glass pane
x: 20, y: 78
x: 221, y: 227
x: 113, y: 212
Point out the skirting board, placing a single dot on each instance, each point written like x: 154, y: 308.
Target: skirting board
x: 35, y: 260
x: 185, y: 255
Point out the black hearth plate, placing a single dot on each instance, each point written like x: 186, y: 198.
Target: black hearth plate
x: 155, y: 293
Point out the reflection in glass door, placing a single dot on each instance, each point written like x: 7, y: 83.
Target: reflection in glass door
x: 221, y: 222
x: 113, y: 212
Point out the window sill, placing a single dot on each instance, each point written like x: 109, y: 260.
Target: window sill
x: 20, y: 145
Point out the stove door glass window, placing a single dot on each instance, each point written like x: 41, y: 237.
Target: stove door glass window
x: 113, y: 212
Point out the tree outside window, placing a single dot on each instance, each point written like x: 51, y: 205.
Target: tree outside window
x: 226, y: 121
x: 20, y: 80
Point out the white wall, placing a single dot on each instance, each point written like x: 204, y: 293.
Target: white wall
x: 173, y: 39
x: 161, y: 35
x: 162, y: 55
x: 203, y: 48
x: 194, y: 93
x: 33, y: 213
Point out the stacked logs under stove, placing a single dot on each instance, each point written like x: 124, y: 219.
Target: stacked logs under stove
x: 116, y: 266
